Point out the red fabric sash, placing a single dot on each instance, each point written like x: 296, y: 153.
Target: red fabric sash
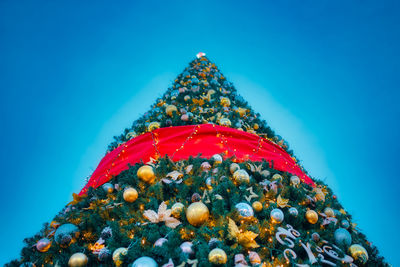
x: 181, y: 142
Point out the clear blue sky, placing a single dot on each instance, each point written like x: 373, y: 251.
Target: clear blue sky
x: 325, y: 74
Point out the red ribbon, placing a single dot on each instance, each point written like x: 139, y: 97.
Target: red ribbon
x: 181, y: 142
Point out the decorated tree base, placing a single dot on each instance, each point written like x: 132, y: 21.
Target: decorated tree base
x: 161, y: 197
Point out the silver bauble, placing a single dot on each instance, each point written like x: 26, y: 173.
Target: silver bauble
x: 67, y: 229
x: 159, y: 242
x: 294, y: 180
x: 234, y: 167
x: 315, y: 237
x: 245, y: 210
x: 342, y: 237
x: 187, y: 248
x: 277, y: 216
x: 217, y: 158
x: 144, y: 262
x: 293, y: 211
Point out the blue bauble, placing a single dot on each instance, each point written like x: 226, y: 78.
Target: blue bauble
x: 342, y: 237
x: 195, y: 81
x: 345, y: 224
x: 144, y: 262
x: 108, y: 188
x: 64, y: 230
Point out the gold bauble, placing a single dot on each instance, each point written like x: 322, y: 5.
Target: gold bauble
x: 242, y: 111
x: 130, y: 194
x: 329, y: 212
x: 117, y: 255
x: 255, y: 126
x: 153, y: 125
x: 197, y: 213
x: 277, y: 177
x: 225, y: 122
x: 241, y: 176
x: 359, y: 253
x: 234, y: 167
x: 78, y: 260
x: 170, y: 109
x: 177, y: 208
x: 257, y: 206
x: 225, y: 102
x: 217, y: 256
x: 146, y: 174
x: 312, y: 216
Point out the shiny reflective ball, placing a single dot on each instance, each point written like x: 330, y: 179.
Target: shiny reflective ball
x: 78, y: 260
x: 170, y: 109
x: 329, y: 212
x: 187, y: 247
x: 108, y: 188
x: 245, y: 210
x: 146, y: 174
x: 197, y: 213
x: 342, y: 237
x: 177, y: 208
x: 118, y: 254
x: 345, y: 224
x: 144, y: 262
x: 225, y: 122
x: 312, y: 216
x: 234, y: 167
x: 153, y: 125
x: 66, y: 230
x: 241, y: 177
x: 293, y: 211
x: 43, y: 245
x: 217, y: 256
x: 315, y: 237
x: 359, y: 253
x: 294, y: 180
x: 277, y: 216
x: 225, y: 102
x: 257, y: 206
x: 217, y: 158
x: 159, y: 242
x: 130, y: 194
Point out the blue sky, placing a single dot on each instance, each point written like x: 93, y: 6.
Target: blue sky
x: 324, y: 74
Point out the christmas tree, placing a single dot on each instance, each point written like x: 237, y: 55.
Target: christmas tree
x: 200, y: 180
